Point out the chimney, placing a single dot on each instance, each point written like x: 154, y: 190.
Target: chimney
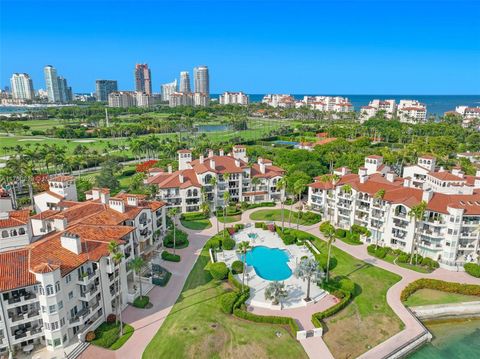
x: 237, y: 162
x: 4, y: 215
x: 71, y: 242
x: 95, y: 193
x: 60, y: 224
x: 170, y: 169
x: 457, y: 171
x: 427, y: 195
x: 363, y: 174
x: 132, y: 201
x: 210, y: 153
x: 390, y: 176
x: 212, y: 164
x: 262, y: 167
x: 104, y: 196
x: 201, y: 159
x: 407, y: 182
x: 221, y: 152
x: 260, y: 160
x: 477, y: 174
x: 181, y: 178
x: 117, y: 205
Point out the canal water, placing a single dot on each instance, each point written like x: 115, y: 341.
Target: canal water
x: 452, y: 339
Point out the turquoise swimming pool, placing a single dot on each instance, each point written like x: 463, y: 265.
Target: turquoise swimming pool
x: 269, y: 263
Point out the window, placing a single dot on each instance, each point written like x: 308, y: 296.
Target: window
x: 60, y: 305
x: 62, y: 322
x: 44, y: 309
x: 70, y: 295
x: 21, y: 231
x: 49, y: 342
x: 47, y: 326
x: 4, y: 234
x: 54, y: 326
x: 57, y: 342
x: 57, y: 287
x: 41, y: 290
x: 49, y: 289
x: 68, y: 278
x: 52, y: 309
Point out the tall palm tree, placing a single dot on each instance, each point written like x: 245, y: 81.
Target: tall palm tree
x: 417, y: 213
x: 308, y: 269
x: 137, y: 264
x: 329, y: 233
x: 173, y: 214
x: 281, y: 185
x: 213, y: 183
x: 299, y: 187
x: 117, y: 257
x: 243, y: 248
x: 226, y: 199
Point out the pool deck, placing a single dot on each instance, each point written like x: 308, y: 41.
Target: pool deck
x: 297, y: 288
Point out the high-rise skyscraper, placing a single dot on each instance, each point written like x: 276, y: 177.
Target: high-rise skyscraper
x: 168, y: 89
x: 105, y: 87
x: 22, y: 87
x: 201, y: 80
x: 143, y: 79
x: 185, y: 82
x: 57, y: 87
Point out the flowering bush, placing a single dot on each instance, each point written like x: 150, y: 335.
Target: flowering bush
x: 145, y: 166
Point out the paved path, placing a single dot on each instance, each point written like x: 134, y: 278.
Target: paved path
x: 147, y: 322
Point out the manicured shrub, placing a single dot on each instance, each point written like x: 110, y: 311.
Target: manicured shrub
x: 347, y: 285
x: 228, y: 243
x: 192, y: 216
x: 111, y: 318
x: 170, y: 257
x: 237, y: 267
x: 429, y: 262
x: 239, y: 226
x: 259, y: 224
x: 219, y: 270
x: 310, y: 217
x: 340, y: 233
x: 90, y: 336
x: 322, y: 261
x: 381, y: 252
x: 181, y: 240
x: 227, y: 301
x: 324, y: 226
x: 213, y: 242
x: 141, y: 302
x: 129, y: 172
x: 268, y: 319
x: 450, y: 287
x: 371, y: 249
x: 472, y: 269
x: 317, y: 317
x: 234, y: 282
x: 289, y: 239
x: 231, y: 230
x: 403, y: 258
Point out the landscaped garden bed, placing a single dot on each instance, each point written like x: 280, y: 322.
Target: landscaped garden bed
x: 170, y: 257
x: 141, y: 302
x: 107, y: 335
x: 195, y: 220
x: 402, y: 259
x: 304, y: 218
x: 181, y: 239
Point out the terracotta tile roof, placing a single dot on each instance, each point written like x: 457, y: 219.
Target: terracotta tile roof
x: 469, y: 203
x: 15, y: 219
x: 428, y: 157
x: 223, y: 164
x: 45, y: 214
x: 321, y: 185
x: 66, y: 204
x: 61, y: 178
x: 325, y: 141
x: 45, y: 268
x: 446, y: 176
x: 173, y: 180
x: 79, y: 212
x: 14, y: 269
x: 184, y: 151
x: 376, y: 157
x: 270, y: 171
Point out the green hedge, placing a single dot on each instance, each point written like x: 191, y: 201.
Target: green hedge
x: 170, y: 257
x: 141, y: 302
x: 318, y: 317
x: 237, y: 267
x: 181, y: 239
x: 107, y: 335
x: 246, y: 206
x: 472, y: 269
x: 268, y: 319
x: 450, y: 287
x: 228, y: 243
x: 219, y: 270
x: 233, y: 281
x: 192, y: 216
x: 228, y: 300
x: 259, y: 225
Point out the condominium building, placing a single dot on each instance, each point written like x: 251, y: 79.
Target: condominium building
x: 389, y: 108
x: 279, y: 100
x: 22, y: 87
x: 217, y: 174
x: 411, y: 111
x: 122, y: 99
x: 233, y: 98
x: 142, y: 99
x: 326, y: 103
x: 188, y: 99
x: 380, y: 201
x: 143, y: 79
x: 168, y: 89
x: 103, y: 88
x: 470, y: 115
x: 58, y: 278
x: 185, y: 82
x: 57, y: 87
x: 201, y: 80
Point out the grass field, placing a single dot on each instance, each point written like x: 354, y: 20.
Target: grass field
x: 197, y: 328
x: 197, y: 224
x: 230, y: 219
x: 368, y: 320
x: 431, y: 296
x: 107, y: 331
x: 276, y: 215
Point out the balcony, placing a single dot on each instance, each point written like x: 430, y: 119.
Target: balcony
x: 89, y: 294
x: 22, y: 298
x: 87, y: 278
x: 79, y: 317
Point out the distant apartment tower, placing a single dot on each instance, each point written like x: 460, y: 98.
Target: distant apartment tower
x: 233, y: 98
x: 22, y: 87
x: 411, y: 111
x: 389, y: 107
x: 122, y: 99
x: 105, y: 87
x: 143, y: 79
x: 201, y: 80
x: 185, y: 82
x: 57, y: 87
x: 143, y: 99
x: 168, y: 89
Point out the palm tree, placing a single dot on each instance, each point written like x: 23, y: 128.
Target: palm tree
x: 417, y: 213
x: 213, y: 183
x: 173, y: 214
x: 298, y: 188
x: 117, y: 256
x: 254, y: 183
x: 308, y: 269
x: 243, y: 248
x: 226, y: 198
x: 329, y: 233
x: 275, y: 291
x: 137, y: 265
x: 379, y: 194
x: 281, y: 185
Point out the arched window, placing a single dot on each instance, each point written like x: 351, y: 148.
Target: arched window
x: 21, y: 231
x: 400, y: 211
x: 189, y: 193
x: 195, y: 193
x: 13, y: 233
x: 4, y: 234
x: 208, y: 178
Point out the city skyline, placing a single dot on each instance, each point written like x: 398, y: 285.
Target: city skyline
x: 437, y: 54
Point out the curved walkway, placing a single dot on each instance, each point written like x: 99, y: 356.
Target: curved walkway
x: 148, y: 321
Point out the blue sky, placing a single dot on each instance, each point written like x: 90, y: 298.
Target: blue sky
x: 323, y: 47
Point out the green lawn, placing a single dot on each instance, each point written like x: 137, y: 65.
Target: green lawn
x: 197, y: 328
x: 276, y: 215
x: 197, y: 224
x: 107, y: 332
x: 417, y: 268
x: 230, y: 219
x: 431, y: 296
x: 368, y: 320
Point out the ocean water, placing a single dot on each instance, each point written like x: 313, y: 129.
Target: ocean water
x: 436, y: 104
x: 453, y: 339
